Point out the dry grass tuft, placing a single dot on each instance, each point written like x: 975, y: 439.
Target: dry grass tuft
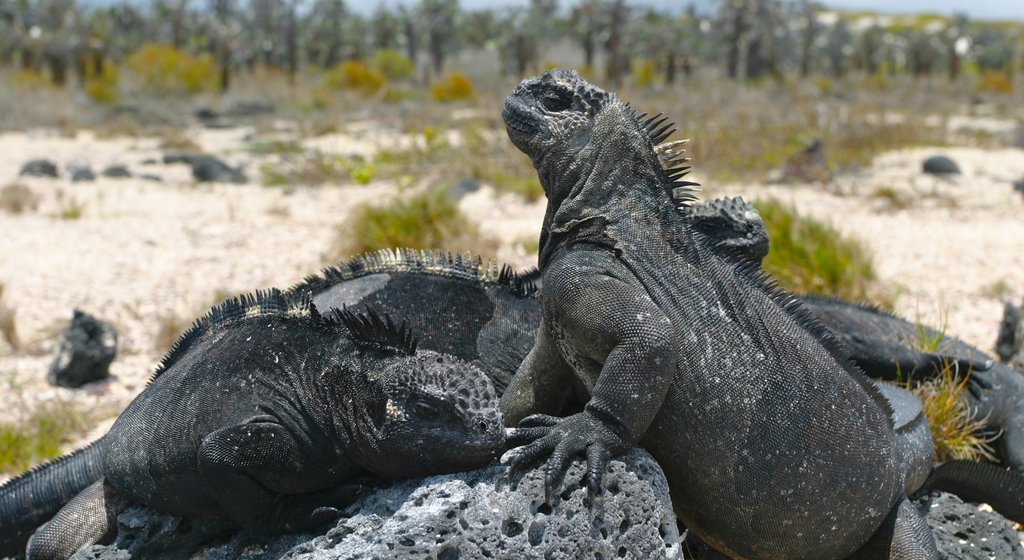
x: 17, y: 198
x: 954, y: 432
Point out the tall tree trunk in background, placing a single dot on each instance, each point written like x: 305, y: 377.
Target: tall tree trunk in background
x: 616, y: 57
x: 291, y: 45
x: 670, y: 68
x: 807, y: 42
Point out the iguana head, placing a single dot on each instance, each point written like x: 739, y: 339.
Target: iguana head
x: 732, y: 224
x: 591, y: 151
x: 417, y: 412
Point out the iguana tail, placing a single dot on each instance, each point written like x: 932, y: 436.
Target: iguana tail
x: 979, y: 482
x: 31, y: 499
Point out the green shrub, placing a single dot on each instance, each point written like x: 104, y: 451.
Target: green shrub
x: 993, y: 81
x: 393, y: 64
x: 808, y: 256
x: 453, y: 87
x: 164, y: 69
x: 430, y: 220
x: 949, y: 417
x: 103, y: 88
x: 40, y: 437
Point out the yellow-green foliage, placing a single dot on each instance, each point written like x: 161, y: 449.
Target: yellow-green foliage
x: 430, y: 220
x: 808, y: 256
x: 103, y: 88
x: 29, y: 79
x: 453, y: 87
x: 993, y: 81
x: 164, y: 69
x: 643, y: 74
x: 354, y: 75
x: 393, y: 64
x: 950, y: 419
x: 40, y: 437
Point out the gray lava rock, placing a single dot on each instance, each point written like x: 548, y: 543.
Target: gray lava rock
x: 465, y: 186
x: 1010, y: 341
x: 464, y: 515
x: 212, y: 170
x: 82, y: 175
x: 39, y: 168
x: 116, y: 172
x: 207, y: 169
x: 940, y: 165
x: 964, y: 532
x: 1019, y: 186
x: 84, y: 352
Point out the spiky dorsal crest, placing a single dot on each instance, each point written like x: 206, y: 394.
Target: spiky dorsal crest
x: 439, y: 263
x: 671, y: 156
x: 370, y: 330
x: 263, y: 303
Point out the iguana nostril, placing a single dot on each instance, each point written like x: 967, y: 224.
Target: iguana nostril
x: 482, y: 427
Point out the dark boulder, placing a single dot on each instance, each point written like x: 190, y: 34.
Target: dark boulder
x: 82, y: 175
x: 116, y: 172
x: 207, y: 169
x: 967, y: 532
x: 1010, y: 341
x: 1019, y: 186
x: 940, y: 165
x: 39, y: 168
x: 84, y: 352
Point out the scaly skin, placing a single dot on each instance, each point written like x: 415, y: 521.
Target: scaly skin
x: 269, y: 414
x: 752, y: 411
x: 886, y: 346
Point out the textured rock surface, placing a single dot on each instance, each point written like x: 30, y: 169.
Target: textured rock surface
x: 940, y: 165
x: 82, y: 175
x: 39, y: 168
x: 463, y: 515
x: 968, y: 532
x: 117, y: 172
x: 84, y: 352
x: 1010, y: 341
x: 207, y: 169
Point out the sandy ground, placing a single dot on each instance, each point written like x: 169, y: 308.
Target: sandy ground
x: 145, y: 252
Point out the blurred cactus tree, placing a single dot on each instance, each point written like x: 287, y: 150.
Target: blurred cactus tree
x: 439, y: 18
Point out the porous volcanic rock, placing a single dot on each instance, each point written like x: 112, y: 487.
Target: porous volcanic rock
x: 474, y: 514
x: 84, y: 352
x: 968, y: 531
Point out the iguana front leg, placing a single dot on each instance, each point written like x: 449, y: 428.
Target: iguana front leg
x: 608, y: 329
x: 263, y: 477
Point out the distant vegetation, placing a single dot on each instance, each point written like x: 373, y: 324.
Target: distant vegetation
x: 807, y: 256
x: 40, y: 437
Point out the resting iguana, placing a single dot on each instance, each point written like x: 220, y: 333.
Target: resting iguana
x: 501, y: 308
x: 265, y: 412
x: 886, y: 346
x: 750, y: 407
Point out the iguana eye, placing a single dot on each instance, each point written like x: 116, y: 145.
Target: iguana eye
x: 556, y: 101
x: 426, y: 410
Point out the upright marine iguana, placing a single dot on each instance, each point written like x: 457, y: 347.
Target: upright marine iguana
x: 884, y: 345
x: 265, y: 412
x: 751, y: 408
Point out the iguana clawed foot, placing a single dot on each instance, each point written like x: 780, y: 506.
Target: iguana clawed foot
x: 564, y: 439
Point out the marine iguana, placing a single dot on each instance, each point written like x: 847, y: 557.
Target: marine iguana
x: 884, y: 345
x: 268, y: 413
x: 751, y: 408
x: 501, y: 308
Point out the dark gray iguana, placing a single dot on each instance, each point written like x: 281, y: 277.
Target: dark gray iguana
x: 265, y: 412
x: 886, y: 346
x: 502, y: 308
x: 750, y: 407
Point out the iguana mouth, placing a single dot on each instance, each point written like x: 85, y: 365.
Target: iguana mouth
x: 518, y: 118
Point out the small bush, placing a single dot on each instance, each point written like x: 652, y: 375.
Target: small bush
x: 8, y: 327
x: 40, y: 437
x: 103, y: 88
x: 30, y: 80
x: 643, y: 74
x: 354, y: 75
x: 17, y: 198
x: 308, y: 170
x: 894, y: 198
x: 993, y: 81
x: 808, y: 256
x: 425, y: 221
x: 164, y: 69
x: 393, y: 64
x: 453, y: 87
